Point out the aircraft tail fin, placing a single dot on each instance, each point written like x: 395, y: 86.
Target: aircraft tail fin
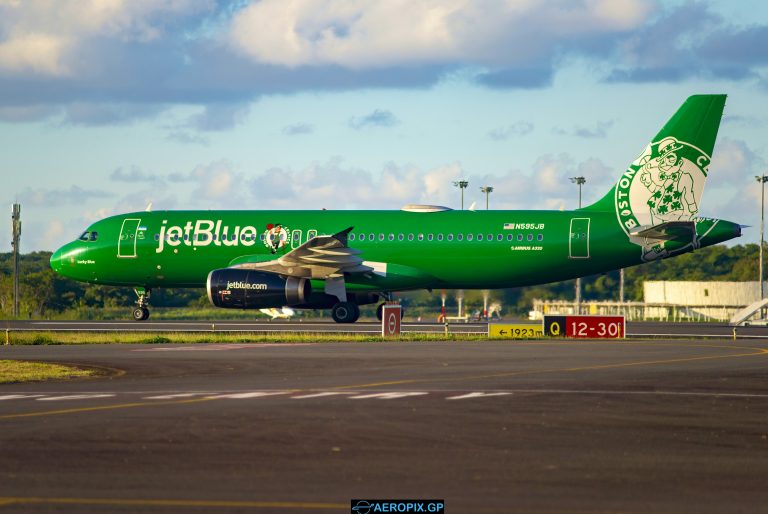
x: 665, y: 183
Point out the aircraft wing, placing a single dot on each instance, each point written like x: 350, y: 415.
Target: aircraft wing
x: 321, y: 257
x: 667, y: 231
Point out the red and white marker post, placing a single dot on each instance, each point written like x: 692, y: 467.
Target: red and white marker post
x: 390, y: 320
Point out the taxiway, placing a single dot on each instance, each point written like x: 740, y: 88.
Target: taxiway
x: 629, y: 426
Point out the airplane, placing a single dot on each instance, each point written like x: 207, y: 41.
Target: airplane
x: 281, y: 313
x: 340, y: 260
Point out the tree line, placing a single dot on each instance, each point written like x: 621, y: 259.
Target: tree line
x: 44, y: 293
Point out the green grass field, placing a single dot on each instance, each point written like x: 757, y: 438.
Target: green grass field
x: 22, y: 371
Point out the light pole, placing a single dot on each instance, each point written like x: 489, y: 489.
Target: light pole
x: 579, y: 181
x: 16, y: 229
x: 487, y: 190
x: 762, y: 179
x: 461, y: 184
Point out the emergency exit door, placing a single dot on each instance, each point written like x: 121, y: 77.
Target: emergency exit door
x: 578, y: 244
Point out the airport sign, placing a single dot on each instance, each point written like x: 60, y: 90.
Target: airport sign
x: 514, y: 331
x: 585, y: 327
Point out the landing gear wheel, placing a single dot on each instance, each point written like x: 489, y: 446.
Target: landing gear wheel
x: 345, y: 312
x: 141, y: 312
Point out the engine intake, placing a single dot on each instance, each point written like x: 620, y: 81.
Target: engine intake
x: 233, y: 288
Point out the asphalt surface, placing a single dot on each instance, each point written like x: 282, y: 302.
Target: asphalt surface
x: 587, y: 427
x: 639, y: 329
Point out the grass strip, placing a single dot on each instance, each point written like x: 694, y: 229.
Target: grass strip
x: 22, y: 371
x: 59, y: 338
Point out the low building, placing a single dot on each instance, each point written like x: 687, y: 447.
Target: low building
x: 710, y: 300
x: 667, y: 300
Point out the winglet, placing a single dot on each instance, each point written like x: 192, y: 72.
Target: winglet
x: 341, y: 237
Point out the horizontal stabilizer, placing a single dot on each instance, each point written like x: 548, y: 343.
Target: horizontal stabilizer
x: 667, y: 231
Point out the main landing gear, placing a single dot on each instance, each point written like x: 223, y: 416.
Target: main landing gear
x: 141, y: 312
x: 345, y: 312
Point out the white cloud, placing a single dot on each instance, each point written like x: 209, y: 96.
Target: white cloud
x: 374, y: 34
x: 38, y: 53
x: 519, y: 128
x: 377, y: 118
x: 74, y: 195
x: 334, y: 185
x: 53, y: 233
x: 43, y: 36
x: 731, y: 189
x: 218, y: 183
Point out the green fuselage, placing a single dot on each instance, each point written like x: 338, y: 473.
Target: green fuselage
x: 407, y: 250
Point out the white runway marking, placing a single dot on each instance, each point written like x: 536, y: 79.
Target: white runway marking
x: 172, y: 396
x: 318, y: 395
x: 475, y: 395
x: 296, y: 394
x: 240, y: 396
x: 74, y: 397
x: 386, y: 396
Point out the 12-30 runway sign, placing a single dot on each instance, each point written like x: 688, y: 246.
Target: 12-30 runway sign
x: 586, y: 327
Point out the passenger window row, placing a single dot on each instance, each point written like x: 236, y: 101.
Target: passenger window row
x: 367, y: 237
x: 440, y: 237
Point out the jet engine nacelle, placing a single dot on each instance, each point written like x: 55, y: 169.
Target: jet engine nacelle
x: 233, y: 288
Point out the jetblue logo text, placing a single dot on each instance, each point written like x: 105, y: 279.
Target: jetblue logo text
x: 246, y: 285
x: 204, y: 233
x: 407, y: 506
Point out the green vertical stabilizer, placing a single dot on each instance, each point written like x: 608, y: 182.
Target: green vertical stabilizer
x: 666, y: 181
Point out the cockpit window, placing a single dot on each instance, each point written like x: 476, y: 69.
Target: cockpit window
x: 89, y: 236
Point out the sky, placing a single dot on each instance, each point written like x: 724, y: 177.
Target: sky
x: 109, y: 105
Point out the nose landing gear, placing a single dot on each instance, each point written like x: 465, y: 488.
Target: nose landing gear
x: 141, y: 312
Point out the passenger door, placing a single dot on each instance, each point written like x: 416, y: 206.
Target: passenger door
x: 129, y: 232
x: 578, y: 243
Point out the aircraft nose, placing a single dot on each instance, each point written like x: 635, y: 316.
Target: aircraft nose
x: 56, y: 261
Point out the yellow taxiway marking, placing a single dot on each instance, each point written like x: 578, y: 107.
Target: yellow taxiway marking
x: 174, y: 503
x: 101, y: 407
x: 753, y: 353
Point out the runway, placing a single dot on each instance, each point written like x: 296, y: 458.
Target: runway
x: 634, y: 329
x: 255, y: 326
x: 491, y: 427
